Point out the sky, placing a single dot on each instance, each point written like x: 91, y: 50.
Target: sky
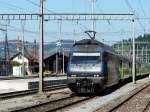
x: 110, y: 31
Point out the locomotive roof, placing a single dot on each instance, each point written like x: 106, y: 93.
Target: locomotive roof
x: 97, y: 44
x: 93, y: 42
x: 88, y: 42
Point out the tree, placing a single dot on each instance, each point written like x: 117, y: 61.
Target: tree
x: 15, y: 63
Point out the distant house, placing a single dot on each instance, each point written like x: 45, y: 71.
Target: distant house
x: 29, y: 64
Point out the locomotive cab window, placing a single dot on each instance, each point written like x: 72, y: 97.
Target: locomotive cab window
x: 85, y: 59
x: 85, y: 62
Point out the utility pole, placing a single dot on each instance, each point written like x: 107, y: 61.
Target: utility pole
x: 93, y: 23
x: 23, y: 65
x: 34, y: 60
x: 17, y: 45
x: 63, y: 62
x: 137, y: 51
x: 146, y: 55
x: 133, y: 52
x: 142, y: 54
x: 7, y: 57
x: 6, y: 52
x: 56, y: 60
x: 118, y: 50
x: 122, y: 48
x: 41, y: 38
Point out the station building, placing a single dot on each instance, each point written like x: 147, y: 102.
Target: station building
x: 53, y: 63
x: 56, y: 62
x: 29, y: 66
x: 56, y: 56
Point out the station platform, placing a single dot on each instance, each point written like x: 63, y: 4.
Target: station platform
x: 23, y: 84
x: 87, y: 106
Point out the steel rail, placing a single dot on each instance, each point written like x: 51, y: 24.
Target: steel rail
x: 4, y: 96
x: 55, y: 105
x: 147, y: 107
x: 123, y: 102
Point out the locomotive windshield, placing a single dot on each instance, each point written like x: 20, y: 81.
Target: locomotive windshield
x: 85, y: 62
x: 85, y: 59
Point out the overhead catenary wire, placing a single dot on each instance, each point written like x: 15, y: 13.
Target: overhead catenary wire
x: 36, y: 4
x: 78, y: 23
x: 144, y: 13
x: 107, y: 21
x: 54, y: 12
x: 136, y: 16
x: 11, y: 6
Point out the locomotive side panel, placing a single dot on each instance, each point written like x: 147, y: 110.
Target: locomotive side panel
x: 112, y: 69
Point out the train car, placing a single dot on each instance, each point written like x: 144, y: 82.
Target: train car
x: 92, y: 66
x: 125, y: 68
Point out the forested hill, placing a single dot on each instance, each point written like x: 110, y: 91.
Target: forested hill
x: 142, y: 45
x: 144, y: 38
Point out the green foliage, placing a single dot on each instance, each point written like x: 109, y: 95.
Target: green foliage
x: 15, y: 63
x: 127, y: 44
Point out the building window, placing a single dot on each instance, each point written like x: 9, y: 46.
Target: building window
x: 25, y: 63
x: 20, y: 57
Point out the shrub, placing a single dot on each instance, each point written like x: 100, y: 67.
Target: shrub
x: 15, y: 63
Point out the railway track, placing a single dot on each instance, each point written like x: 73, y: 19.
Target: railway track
x: 26, y: 77
x: 136, y: 102
x: 55, y: 105
x: 4, y: 96
x: 147, y: 108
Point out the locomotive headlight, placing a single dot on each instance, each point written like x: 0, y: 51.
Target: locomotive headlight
x: 96, y: 75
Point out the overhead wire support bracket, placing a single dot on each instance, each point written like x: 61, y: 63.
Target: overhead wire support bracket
x: 67, y: 16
